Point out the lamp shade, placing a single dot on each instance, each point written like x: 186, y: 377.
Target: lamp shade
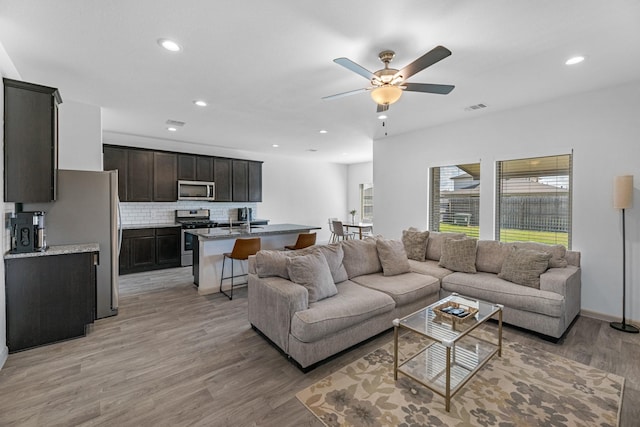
x: 387, y: 94
x: 623, y: 192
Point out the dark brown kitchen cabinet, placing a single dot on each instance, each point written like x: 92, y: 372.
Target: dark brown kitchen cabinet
x: 204, y: 168
x: 145, y: 249
x: 255, y: 181
x: 30, y: 142
x: 139, y: 176
x: 222, y: 178
x: 186, y: 167
x: 49, y: 298
x: 240, y: 183
x: 115, y: 158
x: 165, y: 177
x: 168, y: 246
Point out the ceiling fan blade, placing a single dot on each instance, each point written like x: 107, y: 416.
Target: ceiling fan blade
x: 436, y: 54
x: 382, y: 107
x: 428, y: 88
x: 358, y: 69
x: 340, y: 95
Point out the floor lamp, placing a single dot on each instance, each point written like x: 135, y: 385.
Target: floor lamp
x: 623, y: 199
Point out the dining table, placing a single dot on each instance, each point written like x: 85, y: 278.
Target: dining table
x: 360, y: 226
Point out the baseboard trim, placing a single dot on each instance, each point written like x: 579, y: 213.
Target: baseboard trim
x: 605, y: 317
x: 3, y: 355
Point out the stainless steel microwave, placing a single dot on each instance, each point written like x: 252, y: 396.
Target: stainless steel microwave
x: 196, y: 190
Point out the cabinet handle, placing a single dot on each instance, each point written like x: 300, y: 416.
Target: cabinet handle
x: 96, y: 258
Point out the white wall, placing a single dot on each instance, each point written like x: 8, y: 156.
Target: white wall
x: 7, y: 69
x: 80, y: 136
x: 602, y: 128
x: 357, y: 173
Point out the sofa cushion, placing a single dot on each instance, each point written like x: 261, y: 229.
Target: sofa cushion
x: 490, y: 255
x: 459, y: 255
x: 524, y: 266
x: 429, y: 267
x: 312, y: 272
x: 335, y: 258
x: 415, y: 243
x: 488, y: 287
x: 404, y: 288
x: 392, y: 257
x: 557, y: 252
x: 435, y: 241
x: 361, y: 257
x: 353, y: 304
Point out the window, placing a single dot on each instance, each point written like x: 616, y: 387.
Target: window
x: 533, y: 200
x: 366, y: 202
x: 455, y: 199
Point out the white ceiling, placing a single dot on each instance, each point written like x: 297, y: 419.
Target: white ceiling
x: 263, y: 66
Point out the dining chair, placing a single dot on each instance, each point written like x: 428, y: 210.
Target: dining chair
x: 304, y: 241
x: 338, y: 230
x: 241, y: 251
x: 333, y: 238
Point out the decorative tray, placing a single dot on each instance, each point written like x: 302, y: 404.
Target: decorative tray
x: 451, y: 311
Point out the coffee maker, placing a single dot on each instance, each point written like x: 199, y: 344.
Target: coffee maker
x: 245, y: 214
x: 28, y: 232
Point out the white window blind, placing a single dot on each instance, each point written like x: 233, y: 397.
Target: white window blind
x: 455, y: 199
x: 366, y: 202
x: 533, y: 200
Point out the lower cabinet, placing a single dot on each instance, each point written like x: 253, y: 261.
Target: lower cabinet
x: 145, y: 249
x: 49, y: 298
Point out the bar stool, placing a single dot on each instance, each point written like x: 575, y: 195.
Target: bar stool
x: 241, y: 251
x: 304, y: 241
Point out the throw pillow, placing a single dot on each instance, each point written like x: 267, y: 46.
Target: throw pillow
x: 435, y: 241
x: 312, y: 272
x: 392, y: 257
x: 361, y: 257
x: 557, y: 252
x: 335, y: 256
x: 415, y: 243
x: 271, y: 263
x: 524, y: 266
x: 459, y: 255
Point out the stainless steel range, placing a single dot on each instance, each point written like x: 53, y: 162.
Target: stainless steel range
x: 191, y: 219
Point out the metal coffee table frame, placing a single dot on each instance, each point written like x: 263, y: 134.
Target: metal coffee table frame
x: 452, y: 356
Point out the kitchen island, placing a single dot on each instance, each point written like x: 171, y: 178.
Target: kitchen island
x: 214, y: 242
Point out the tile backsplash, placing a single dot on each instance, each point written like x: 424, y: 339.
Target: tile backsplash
x: 141, y: 213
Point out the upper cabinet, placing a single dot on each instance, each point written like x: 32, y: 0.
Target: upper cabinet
x: 222, y: 178
x: 152, y: 176
x: 255, y: 181
x: 165, y: 177
x: 30, y: 142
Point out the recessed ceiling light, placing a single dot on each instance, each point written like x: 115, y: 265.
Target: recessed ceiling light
x: 275, y: 145
x: 382, y: 116
x: 574, y: 60
x: 170, y: 45
x: 323, y: 131
x: 200, y: 103
x: 172, y: 129
x: 345, y: 154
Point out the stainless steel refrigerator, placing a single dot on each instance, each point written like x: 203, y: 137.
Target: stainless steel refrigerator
x: 86, y: 210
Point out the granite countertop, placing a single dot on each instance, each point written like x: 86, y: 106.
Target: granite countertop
x: 222, y: 233
x: 139, y: 226
x: 57, y: 250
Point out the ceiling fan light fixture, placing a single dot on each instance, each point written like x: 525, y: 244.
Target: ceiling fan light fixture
x: 386, y: 95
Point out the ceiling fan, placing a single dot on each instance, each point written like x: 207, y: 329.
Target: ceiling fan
x: 387, y: 84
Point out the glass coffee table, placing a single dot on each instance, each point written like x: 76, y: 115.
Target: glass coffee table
x: 451, y: 356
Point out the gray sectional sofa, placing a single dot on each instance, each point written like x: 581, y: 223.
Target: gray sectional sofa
x: 316, y: 302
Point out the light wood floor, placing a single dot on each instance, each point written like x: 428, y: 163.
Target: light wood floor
x: 174, y: 358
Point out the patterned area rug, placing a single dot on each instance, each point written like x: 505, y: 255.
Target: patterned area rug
x: 526, y: 387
